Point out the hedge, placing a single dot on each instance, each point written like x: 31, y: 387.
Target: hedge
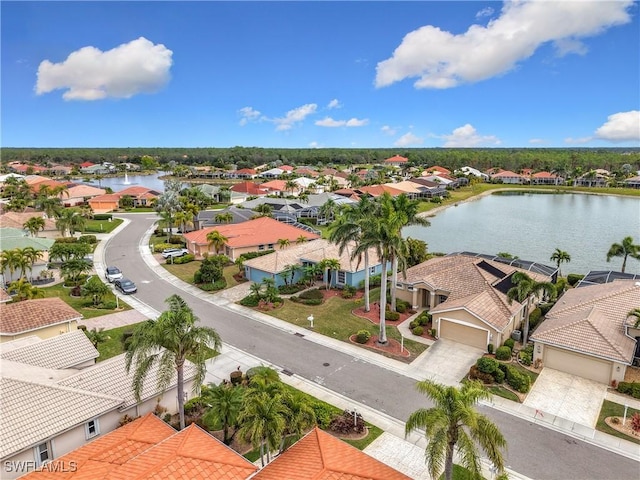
x: 189, y: 257
x: 487, y: 364
x: 312, y: 294
x: 535, y: 317
x: 503, y: 353
x: 102, y: 216
x: 249, y: 301
x: 392, y: 316
x: 212, y: 287
x: 250, y: 255
x: 574, y: 278
x: 630, y: 388
x: 518, y: 381
x: 88, y: 239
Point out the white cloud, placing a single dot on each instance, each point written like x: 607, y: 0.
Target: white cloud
x: 485, y: 12
x: 248, y: 114
x: 408, y: 139
x: 352, y: 122
x: 579, y: 141
x: 537, y: 141
x: 122, y: 72
x: 294, y: 116
x: 314, y: 145
x: 467, y: 136
x: 334, y: 104
x: 621, y: 127
x: 440, y: 59
x: 388, y: 130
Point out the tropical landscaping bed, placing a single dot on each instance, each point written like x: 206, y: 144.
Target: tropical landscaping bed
x: 610, y: 410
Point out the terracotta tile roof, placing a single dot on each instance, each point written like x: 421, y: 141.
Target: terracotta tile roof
x: 251, y: 188
x: 470, y: 286
x: 35, y: 187
x: 82, y: 191
x: 396, y: 159
x: 505, y: 173
x: 109, y: 197
x: 321, y: 456
x: 191, y: 454
x: 62, y: 351
x: 437, y: 169
x: 137, y: 192
x: 31, y: 412
x: 286, y: 168
x: 260, y: 231
x: 30, y: 315
x: 246, y: 171
x: 311, y: 251
x: 591, y: 320
x: 98, y: 459
x: 86, y: 164
x: 544, y: 175
x: 277, y: 185
x: 378, y: 190
x: 4, y: 296
x: 18, y: 219
x: 405, y: 186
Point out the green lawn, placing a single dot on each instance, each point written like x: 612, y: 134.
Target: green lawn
x: 102, y: 226
x: 82, y: 305
x: 334, y: 319
x: 459, y: 473
x: 504, y: 393
x: 186, y: 271
x: 611, y: 409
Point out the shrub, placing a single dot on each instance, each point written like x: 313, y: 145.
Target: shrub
x: 250, y: 255
x: 289, y: 289
x: 630, y: 388
x: 476, y: 374
x: 574, y: 278
x: 535, y: 317
x: 487, y: 364
x: 432, y: 332
x: 391, y: 316
x: 312, y: 294
x: 526, y: 355
x: 348, y: 291
x: 66, y: 240
x: 400, y: 308
x: 215, y: 286
x: 490, y: 348
x: 189, y: 257
x: 635, y: 422
x: 363, y: 336
x: 88, y: 239
x: 295, y: 299
x: 102, y: 216
x: 345, y: 423
x: 424, y: 318
x: 250, y: 301
x: 374, y: 281
x: 417, y: 331
x: 414, y: 323
x: 193, y: 405
x: 323, y: 414
x: 107, y: 306
x: 503, y: 353
x: 518, y: 381
x: 176, y: 239
x: 509, y: 342
x: 312, y: 301
x: 211, y: 269
x: 159, y: 247
x: 498, y: 376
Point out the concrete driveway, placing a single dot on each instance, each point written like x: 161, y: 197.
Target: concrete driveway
x: 567, y: 396
x: 445, y: 362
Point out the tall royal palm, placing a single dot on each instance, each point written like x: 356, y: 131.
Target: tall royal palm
x: 452, y: 423
x: 560, y: 256
x: 347, y: 231
x: 167, y: 342
x: 524, y: 287
x: 625, y: 249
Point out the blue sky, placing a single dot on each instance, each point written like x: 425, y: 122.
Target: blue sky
x: 320, y: 74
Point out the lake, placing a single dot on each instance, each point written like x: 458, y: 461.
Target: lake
x: 532, y: 226
x: 118, y: 183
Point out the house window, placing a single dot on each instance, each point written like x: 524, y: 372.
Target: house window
x: 372, y: 270
x: 342, y: 277
x: 92, y: 428
x: 260, y: 247
x: 442, y: 298
x: 43, y: 453
x: 410, y: 288
x: 271, y: 246
x: 399, y: 286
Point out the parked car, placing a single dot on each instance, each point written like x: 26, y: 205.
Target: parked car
x: 126, y: 286
x: 174, y: 252
x: 112, y: 274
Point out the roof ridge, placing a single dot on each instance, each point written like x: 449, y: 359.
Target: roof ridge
x: 597, y: 299
x: 591, y: 322
x: 66, y: 388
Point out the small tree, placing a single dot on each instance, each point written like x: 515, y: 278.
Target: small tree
x: 97, y: 336
x: 95, y: 289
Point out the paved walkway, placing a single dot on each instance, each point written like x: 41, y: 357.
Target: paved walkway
x: 408, y: 453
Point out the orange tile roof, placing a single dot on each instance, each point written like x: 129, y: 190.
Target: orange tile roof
x: 279, y: 185
x: 506, y: 173
x: 36, y: 186
x: 439, y: 169
x: 260, y: 231
x: 31, y: 315
x: 18, y: 219
x: 248, y: 171
x: 108, y: 197
x: 82, y: 191
x: 544, y: 175
x: 321, y: 456
x: 136, y: 191
x: 378, y: 190
x: 397, y: 159
x: 286, y: 168
x: 248, y: 187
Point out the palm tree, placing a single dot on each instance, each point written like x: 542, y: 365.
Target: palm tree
x: 226, y: 217
x: 328, y: 211
x: 24, y: 290
x: 168, y: 204
x: 290, y: 186
x: 263, y: 421
x: 225, y: 404
x: 524, y: 287
x: 452, y: 423
x: 625, y: 249
x: 73, y: 269
x: 301, y: 239
x: 347, y: 230
x: 264, y: 209
x: 216, y: 240
x: 167, y: 342
x: 34, y: 225
x: 10, y: 259
x: 636, y: 314
x: 300, y: 415
x: 69, y: 220
x: 288, y: 273
x: 283, y: 243
x: 183, y: 218
x: 97, y: 336
x: 330, y: 265
x: 95, y: 289
x: 560, y: 256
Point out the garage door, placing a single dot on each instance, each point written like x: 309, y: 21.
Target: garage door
x: 463, y: 334
x: 576, y: 364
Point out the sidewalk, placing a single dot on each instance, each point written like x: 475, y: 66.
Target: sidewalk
x: 390, y: 447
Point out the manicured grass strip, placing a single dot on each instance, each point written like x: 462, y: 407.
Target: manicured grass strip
x: 504, y: 393
x: 183, y: 271
x: 612, y: 409
x: 228, y: 272
x: 459, y: 473
x: 102, y: 226
x: 83, y: 305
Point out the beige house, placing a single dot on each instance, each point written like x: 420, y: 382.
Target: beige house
x: 588, y: 332
x: 466, y: 296
x: 55, y: 399
x: 18, y: 219
x: 80, y: 195
x: 43, y: 317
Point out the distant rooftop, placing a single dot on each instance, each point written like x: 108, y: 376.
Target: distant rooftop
x: 597, y: 277
x: 528, y: 265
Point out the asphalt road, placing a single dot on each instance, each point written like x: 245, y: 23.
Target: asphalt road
x: 534, y: 451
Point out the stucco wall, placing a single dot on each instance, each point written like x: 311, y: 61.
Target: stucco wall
x: 44, y: 333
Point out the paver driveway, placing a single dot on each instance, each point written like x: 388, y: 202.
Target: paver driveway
x: 568, y: 396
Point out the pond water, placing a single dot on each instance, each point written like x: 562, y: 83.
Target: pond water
x: 120, y: 183
x: 532, y: 226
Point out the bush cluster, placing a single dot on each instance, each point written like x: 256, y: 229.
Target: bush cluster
x: 520, y: 382
x: 250, y: 255
x: 363, y: 336
x: 545, y: 307
x: 526, y: 356
x: 66, y: 240
x: 489, y: 370
x: 392, y: 316
x: 503, y: 353
x: 535, y: 317
x: 323, y: 414
x: 88, y: 239
x: 215, y: 286
x: 348, y: 291
x: 314, y: 293
x: 630, y: 388
x: 159, y: 247
x: 211, y: 269
x: 374, y: 281
x: 289, y: 289
x: 574, y: 278
x: 509, y: 342
x: 250, y: 301
x: 102, y: 216
x: 189, y: 257
x: 418, y: 331
x: 402, y: 306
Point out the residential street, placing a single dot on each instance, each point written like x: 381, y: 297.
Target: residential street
x: 534, y: 451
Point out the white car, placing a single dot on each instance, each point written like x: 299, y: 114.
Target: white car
x: 174, y: 252
x: 112, y: 274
